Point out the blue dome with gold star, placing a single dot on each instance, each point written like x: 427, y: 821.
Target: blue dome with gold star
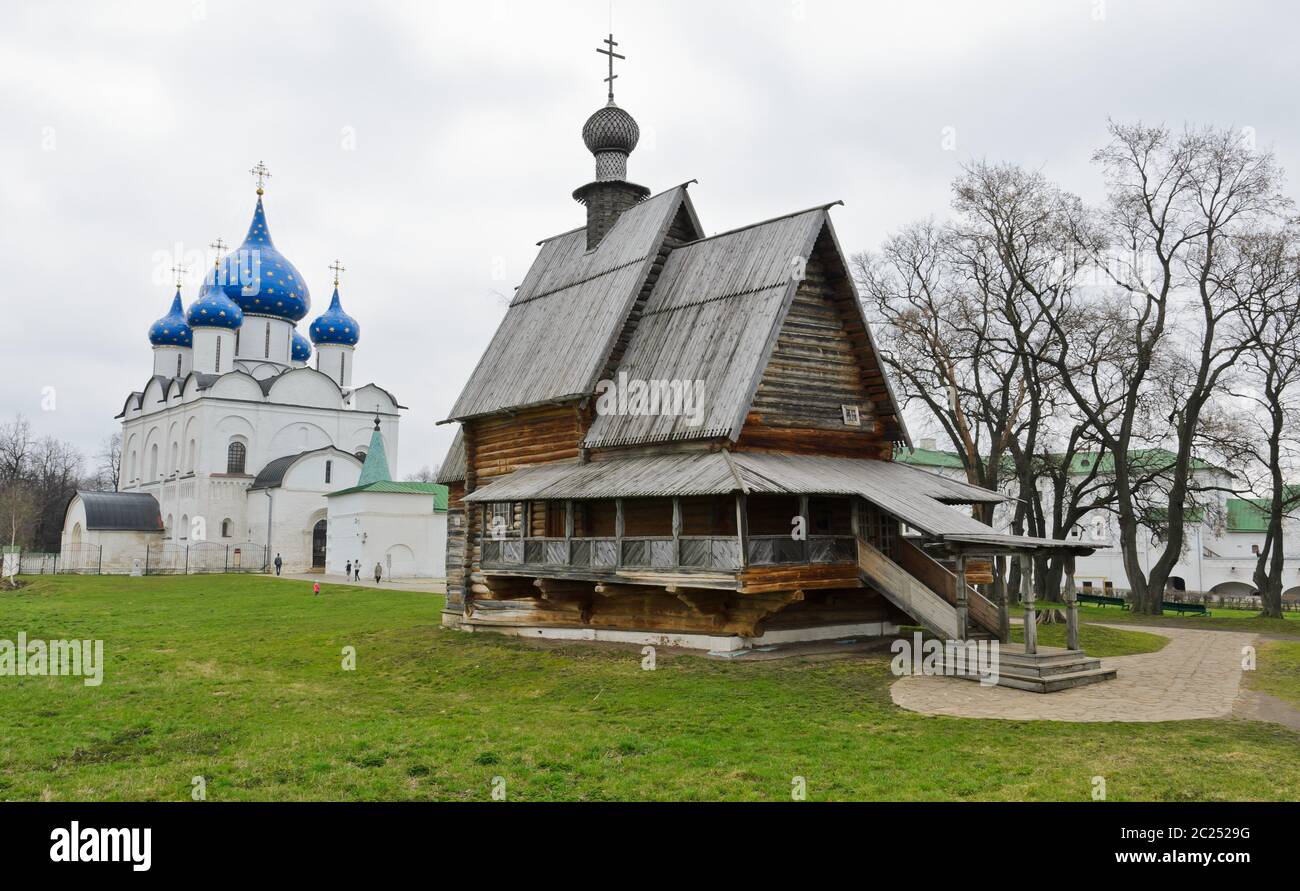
x: 171, y: 329
x: 301, y: 350
x: 335, y: 326
x: 213, y: 309
x: 260, y: 279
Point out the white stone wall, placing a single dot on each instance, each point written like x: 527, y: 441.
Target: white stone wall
x: 401, y: 532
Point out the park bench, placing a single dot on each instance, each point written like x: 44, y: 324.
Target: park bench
x: 1102, y: 600
x: 1185, y: 609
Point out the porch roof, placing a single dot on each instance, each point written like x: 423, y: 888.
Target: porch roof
x: 921, y: 499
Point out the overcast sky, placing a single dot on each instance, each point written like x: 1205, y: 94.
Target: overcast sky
x: 431, y: 145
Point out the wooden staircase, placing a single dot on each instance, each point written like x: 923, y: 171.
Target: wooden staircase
x: 924, y: 589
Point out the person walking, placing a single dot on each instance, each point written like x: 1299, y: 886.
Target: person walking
x: 379, y: 573
x: 347, y: 570
x: 356, y: 568
x: 278, y: 563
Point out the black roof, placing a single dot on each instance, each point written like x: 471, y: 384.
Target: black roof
x: 272, y: 475
x: 121, y: 511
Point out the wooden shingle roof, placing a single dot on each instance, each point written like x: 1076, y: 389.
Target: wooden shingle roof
x: 567, y: 314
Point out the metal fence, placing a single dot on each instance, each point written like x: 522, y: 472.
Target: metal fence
x: 161, y: 559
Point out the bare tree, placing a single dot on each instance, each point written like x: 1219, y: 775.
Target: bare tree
x: 108, y: 473
x: 424, y: 475
x: 1175, y: 205
x: 1268, y: 287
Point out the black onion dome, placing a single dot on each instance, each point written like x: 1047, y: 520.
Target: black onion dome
x: 611, y: 129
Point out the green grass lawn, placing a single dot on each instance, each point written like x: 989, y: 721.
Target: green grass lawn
x: 1218, y: 620
x: 1097, y: 641
x: 1277, y: 670
x: 238, y: 680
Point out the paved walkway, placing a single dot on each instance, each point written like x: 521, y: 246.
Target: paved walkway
x: 1196, y: 675
x: 431, y: 586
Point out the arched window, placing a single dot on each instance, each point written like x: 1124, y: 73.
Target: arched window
x: 153, y: 462
x: 176, y: 457
x: 225, y: 527
x: 329, y: 471
x: 235, y: 456
x: 167, y: 527
x: 194, y: 453
x: 185, y: 527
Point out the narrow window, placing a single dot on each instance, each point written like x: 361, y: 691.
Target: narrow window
x: 235, y: 457
x: 266, y: 350
x: 217, y: 369
x: 329, y: 468
x: 237, y: 333
x: 343, y: 361
x: 178, y: 364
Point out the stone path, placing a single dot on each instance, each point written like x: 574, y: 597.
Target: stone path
x: 1196, y: 675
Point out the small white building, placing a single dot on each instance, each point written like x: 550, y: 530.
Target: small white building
x: 399, y: 526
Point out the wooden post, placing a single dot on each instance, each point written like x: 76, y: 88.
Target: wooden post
x: 1071, y: 607
x: 568, y: 533
x: 963, y: 603
x: 1027, y: 598
x: 618, y: 530
x: 1000, y: 589
x: 807, y: 530
x: 742, y: 527
x: 677, y: 532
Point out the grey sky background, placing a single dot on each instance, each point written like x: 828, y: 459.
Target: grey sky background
x: 430, y: 146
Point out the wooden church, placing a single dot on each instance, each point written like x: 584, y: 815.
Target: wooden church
x: 688, y: 439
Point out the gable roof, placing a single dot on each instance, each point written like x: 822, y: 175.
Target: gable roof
x: 714, y: 317
x: 569, y: 311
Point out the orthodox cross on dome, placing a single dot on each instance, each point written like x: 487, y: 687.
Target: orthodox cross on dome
x: 180, y: 270
x: 262, y: 174
x: 611, y: 43
x: 217, y: 247
x: 337, y: 267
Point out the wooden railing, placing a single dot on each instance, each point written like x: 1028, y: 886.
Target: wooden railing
x: 776, y: 550
x: 906, y: 592
x: 687, y: 552
x: 937, y: 577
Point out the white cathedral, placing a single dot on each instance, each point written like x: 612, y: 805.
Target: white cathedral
x: 244, y: 434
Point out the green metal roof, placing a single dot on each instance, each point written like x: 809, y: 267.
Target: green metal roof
x: 390, y: 487
x: 1248, y: 514
x: 928, y: 458
x: 1143, y: 459
x: 375, y: 470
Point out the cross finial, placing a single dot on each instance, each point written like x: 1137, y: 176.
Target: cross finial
x: 262, y: 175
x: 376, y: 417
x: 610, y: 42
x: 337, y: 267
x: 217, y: 247
x: 179, y: 270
